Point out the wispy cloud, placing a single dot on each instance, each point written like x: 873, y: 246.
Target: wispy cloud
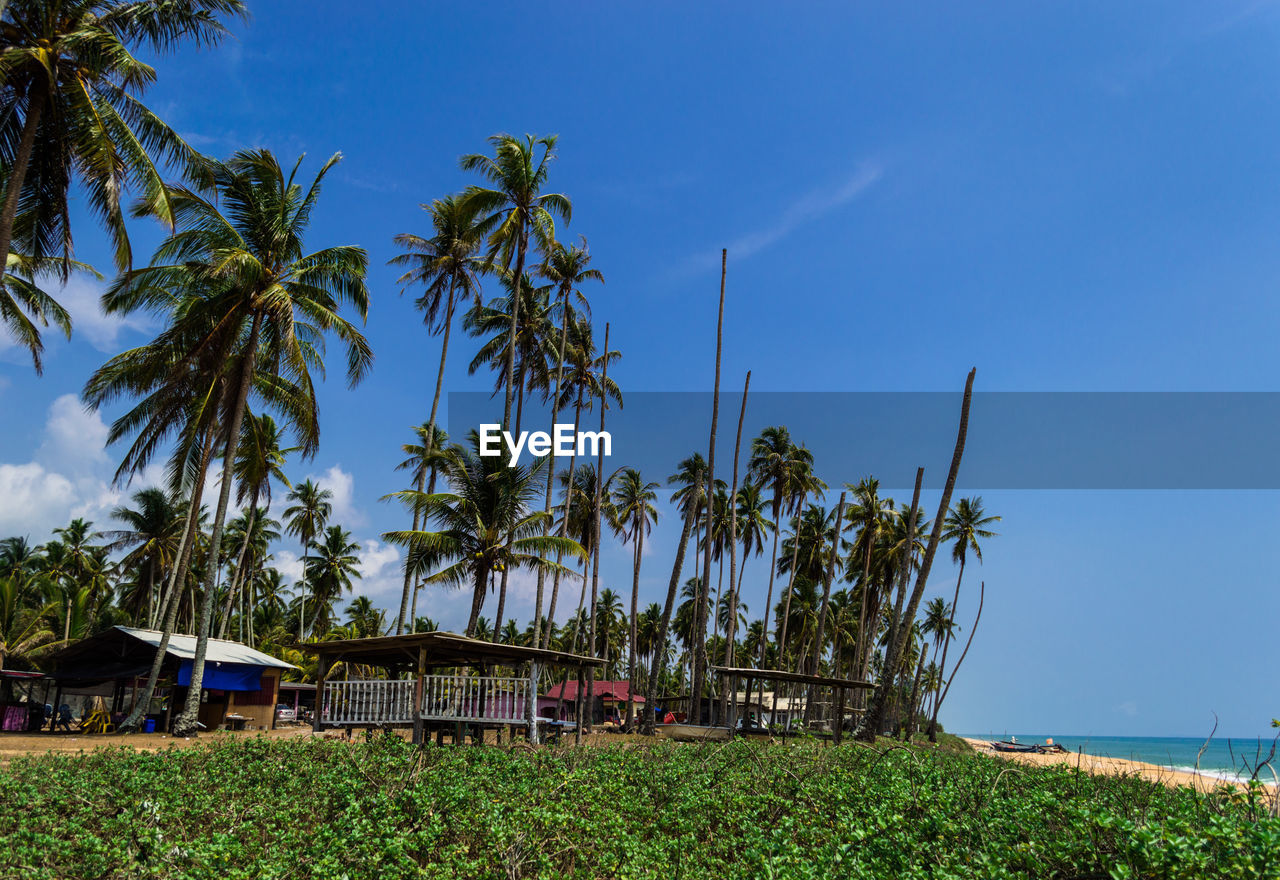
x: 810, y: 207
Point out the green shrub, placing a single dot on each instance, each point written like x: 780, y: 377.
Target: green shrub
x: 250, y: 808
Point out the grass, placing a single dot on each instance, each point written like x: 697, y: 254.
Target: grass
x: 249, y: 808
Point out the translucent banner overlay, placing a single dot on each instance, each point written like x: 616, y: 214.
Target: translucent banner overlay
x: 1017, y: 440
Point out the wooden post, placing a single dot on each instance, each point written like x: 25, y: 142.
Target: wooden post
x: 322, y: 666
x: 732, y: 689
x: 577, y: 727
x: 531, y: 705
x: 417, y: 695
x: 839, y: 731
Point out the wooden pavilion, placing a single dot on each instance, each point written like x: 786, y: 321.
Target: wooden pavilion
x: 435, y: 681
x: 730, y: 676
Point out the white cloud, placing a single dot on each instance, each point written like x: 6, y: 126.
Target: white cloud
x: 808, y: 208
x: 342, y: 485
x: 376, y: 558
x: 33, y: 501
x: 81, y: 298
x: 74, y: 438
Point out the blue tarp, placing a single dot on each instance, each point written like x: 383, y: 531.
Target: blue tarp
x: 224, y: 676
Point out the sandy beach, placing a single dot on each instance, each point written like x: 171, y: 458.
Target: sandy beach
x: 1115, y: 766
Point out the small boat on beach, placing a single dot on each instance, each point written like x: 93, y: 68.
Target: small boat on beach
x: 1006, y: 746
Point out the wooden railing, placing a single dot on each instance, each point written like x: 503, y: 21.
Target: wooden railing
x: 382, y: 701
x: 486, y: 699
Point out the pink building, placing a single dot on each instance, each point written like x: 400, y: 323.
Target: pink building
x: 609, y: 701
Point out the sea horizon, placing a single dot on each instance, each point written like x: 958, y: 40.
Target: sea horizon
x: 1224, y: 757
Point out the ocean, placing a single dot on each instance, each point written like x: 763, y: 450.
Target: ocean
x: 1223, y: 758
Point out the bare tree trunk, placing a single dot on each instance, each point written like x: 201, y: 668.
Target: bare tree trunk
x: 18, y: 174
x: 946, y: 643
x: 660, y: 642
x: 731, y: 628
x: 909, y: 728
x: 187, y: 723
x: 595, y: 515
x: 241, y: 558
x: 822, y: 612
x: 922, y: 578
x: 551, y: 471
x: 982, y: 593
x: 177, y: 577
x: 700, y: 620
x: 564, y: 522
x: 430, y: 441
x: 791, y: 579
x: 873, y: 718
x: 635, y: 610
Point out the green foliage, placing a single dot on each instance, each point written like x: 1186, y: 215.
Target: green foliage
x: 248, y: 808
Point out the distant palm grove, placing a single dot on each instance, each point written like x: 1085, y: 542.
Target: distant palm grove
x: 250, y: 313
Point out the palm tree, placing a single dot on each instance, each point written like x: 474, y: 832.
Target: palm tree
x: 690, y: 500
x: 331, y: 567
x: 515, y: 209
x: 567, y: 268
x: 448, y: 266
x: 25, y: 307
x: 489, y: 498
x: 74, y: 81
x: 786, y: 471
x: 868, y: 515
x: 238, y: 258
x: 151, y: 534
x: 259, y: 459
x: 423, y: 461
x: 306, y: 518
x: 632, y: 513
x: 584, y: 381
x: 577, y: 521
x: 965, y: 524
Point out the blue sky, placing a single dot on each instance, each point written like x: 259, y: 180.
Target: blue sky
x: 1080, y: 197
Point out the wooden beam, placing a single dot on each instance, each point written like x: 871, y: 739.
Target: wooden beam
x: 322, y: 667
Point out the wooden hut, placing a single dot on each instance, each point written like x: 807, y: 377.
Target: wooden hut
x: 436, y: 681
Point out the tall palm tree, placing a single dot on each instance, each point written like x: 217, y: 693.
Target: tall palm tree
x: 423, y: 462
x: 151, y: 535
x: 448, y: 267
x: 70, y: 70
x: 965, y: 524
x: 584, y: 382
x: 513, y: 210
x: 690, y: 500
x: 632, y: 514
x: 260, y: 458
x: 331, y: 568
x: 567, y: 269
x: 254, y: 292
x: 786, y: 471
x: 306, y: 519
x: 869, y: 515
x: 488, y: 498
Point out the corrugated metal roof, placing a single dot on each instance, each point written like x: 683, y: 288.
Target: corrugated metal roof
x: 219, y: 650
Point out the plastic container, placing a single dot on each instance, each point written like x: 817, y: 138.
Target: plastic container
x: 149, y: 726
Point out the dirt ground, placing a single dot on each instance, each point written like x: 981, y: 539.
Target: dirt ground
x: 13, y: 745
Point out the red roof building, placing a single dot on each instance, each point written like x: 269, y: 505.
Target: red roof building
x: 609, y: 691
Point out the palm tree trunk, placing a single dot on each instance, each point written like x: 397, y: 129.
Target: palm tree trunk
x: 909, y: 728
x: 595, y: 516
x: 241, y: 557
x: 17, y: 174
x: 873, y: 718
x: 791, y: 580
x: 551, y: 472
x: 826, y: 600
x: 564, y: 524
x: 635, y: 610
x: 660, y: 641
x: 430, y: 443
x: 731, y: 626
x: 700, y: 628
x: 522, y: 244
x: 982, y: 593
x: 170, y: 603
x: 946, y: 643
x: 477, y: 600
x: 922, y: 578
x: 186, y: 723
